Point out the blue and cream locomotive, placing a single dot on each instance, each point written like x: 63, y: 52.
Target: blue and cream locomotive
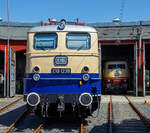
x: 62, y: 70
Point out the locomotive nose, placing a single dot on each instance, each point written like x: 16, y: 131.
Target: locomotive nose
x: 85, y: 99
x: 33, y: 99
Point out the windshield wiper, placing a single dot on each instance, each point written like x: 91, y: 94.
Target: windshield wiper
x: 81, y: 46
x: 43, y: 48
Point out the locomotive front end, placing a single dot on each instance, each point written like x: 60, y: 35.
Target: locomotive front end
x: 62, y: 73
x: 116, y: 76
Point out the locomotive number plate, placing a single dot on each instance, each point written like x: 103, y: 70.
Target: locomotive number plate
x: 60, y: 70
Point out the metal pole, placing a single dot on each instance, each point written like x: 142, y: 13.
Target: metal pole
x: 5, y: 73
x: 140, y: 47
x: 140, y: 52
x: 144, y: 93
x: 140, y: 43
x: 136, y: 69
x: 8, y: 50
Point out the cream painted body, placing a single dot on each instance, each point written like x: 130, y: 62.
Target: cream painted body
x: 76, y: 58
x: 109, y: 73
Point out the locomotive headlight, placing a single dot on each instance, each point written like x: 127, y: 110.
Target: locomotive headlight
x: 86, y: 77
x: 36, y: 69
x: 36, y: 77
x: 85, y: 69
x: 62, y: 24
x: 33, y: 99
x: 85, y: 99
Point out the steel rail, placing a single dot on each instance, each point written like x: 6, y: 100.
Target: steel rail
x: 7, y: 106
x: 142, y: 116
x: 81, y: 127
x: 16, y: 121
x: 110, y: 115
x: 38, y: 128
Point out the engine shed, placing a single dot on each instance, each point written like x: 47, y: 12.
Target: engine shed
x: 17, y: 33
x: 128, y: 41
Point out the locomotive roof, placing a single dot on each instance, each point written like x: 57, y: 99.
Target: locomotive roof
x: 68, y: 28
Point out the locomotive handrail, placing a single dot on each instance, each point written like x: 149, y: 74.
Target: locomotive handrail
x: 63, y: 53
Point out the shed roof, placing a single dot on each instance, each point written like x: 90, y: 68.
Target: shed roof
x: 17, y: 30
x: 122, y: 31
x: 106, y: 30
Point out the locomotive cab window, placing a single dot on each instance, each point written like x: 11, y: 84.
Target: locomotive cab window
x: 78, y: 41
x: 45, y: 41
x: 116, y: 66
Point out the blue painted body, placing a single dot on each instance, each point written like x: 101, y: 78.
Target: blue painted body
x: 45, y: 86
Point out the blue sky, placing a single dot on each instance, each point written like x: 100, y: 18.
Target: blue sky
x: 85, y: 10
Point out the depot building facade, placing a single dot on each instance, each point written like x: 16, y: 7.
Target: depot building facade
x: 128, y: 41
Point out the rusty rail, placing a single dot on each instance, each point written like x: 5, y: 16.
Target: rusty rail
x: 142, y: 116
x: 38, y: 128
x: 16, y: 121
x: 81, y: 127
x: 110, y: 115
x: 7, y: 106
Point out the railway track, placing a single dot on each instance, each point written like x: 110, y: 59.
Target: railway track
x: 28, y: 124
x: 98, y: 122
x: 110, y: 115
x: 9, y: 115
x: 21, y: 120
x: 81, y: 127
x: 12, y: 126
x: 9, y: 105
x: 114, y: 116
x: 123, y: 118
x: 126, y: 118
x: 39, y: 128
x: 60, y: 127
x: 16, y: 119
